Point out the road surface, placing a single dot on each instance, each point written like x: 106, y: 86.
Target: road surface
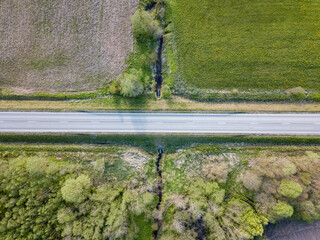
x: 190, y: 123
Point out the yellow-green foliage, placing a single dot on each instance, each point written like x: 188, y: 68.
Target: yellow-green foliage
x: 76, y: 190
x: 290, y: 188
x: 282, y: 210
x: 47, y: 198
x: 259, y: 44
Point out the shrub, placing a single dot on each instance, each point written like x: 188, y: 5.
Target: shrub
x: 289, y: 169
x: 290, y: 188
x: 315, y: 97
x: 308, y: 211
x: 131, y: 83
x: 251, y: 181
x: 295, y: 91
x: 145, y: 25
x: 114, y: 87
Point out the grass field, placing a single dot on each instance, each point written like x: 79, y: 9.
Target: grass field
x: 262, y: 45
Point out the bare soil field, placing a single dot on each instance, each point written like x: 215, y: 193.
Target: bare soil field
x: 63, y: 45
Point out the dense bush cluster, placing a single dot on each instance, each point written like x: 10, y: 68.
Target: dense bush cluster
x: 42, y: 198
x: 286, y: 183
x: 223, y: 196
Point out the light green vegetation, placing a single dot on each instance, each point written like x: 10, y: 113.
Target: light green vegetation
x: 221, y: 191
x: 246, y: 45
x: 70, y: 192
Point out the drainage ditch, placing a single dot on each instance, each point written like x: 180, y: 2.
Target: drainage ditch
x: 158, y: 78
x: 159, y: 172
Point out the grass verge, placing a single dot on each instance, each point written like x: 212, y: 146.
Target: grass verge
x: 149, y: 103
x: 149, y: 143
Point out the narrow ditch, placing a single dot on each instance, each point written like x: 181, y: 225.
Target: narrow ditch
x: 158, y: 78
x: 158, y: 221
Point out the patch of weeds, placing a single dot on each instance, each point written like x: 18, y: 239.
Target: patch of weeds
x: 144, y: 227
x: 56, y: 60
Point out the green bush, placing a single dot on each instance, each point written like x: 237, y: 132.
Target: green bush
x: 315, y: 97
x: 289, y: 169
x: 145, y: 26
x: 132, y: 83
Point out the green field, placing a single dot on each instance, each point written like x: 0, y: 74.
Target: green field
x: 262, y: 45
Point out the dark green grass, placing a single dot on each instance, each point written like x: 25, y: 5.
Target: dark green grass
x: 6, y: 95
x: 150, y: 143
x: 258, y: 44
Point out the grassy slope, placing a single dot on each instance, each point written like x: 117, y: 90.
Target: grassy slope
x: 148, y: 143
x: 259, y: 44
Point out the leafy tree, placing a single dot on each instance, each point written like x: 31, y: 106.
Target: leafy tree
x: 282, y: 210
x: 76, y: 190
x: 289, y: 188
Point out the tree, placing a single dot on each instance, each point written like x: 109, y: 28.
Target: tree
x: 76, y: 190
x: 289, y: 188
x: 282, y: 210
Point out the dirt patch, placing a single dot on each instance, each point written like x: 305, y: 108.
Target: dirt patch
x: 135, y: 158
x: 63, y: 45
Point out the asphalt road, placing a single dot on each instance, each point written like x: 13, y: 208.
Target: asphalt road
x: 88, y: 122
